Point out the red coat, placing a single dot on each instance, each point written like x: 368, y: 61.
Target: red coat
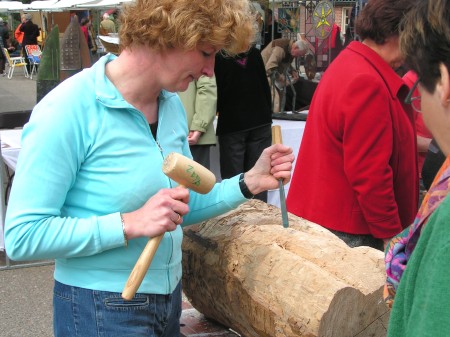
x: 356, y: 170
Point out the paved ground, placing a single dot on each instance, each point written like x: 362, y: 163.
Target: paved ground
x: 26, y: 302
x: 18, y: 93
x: 26, y: 293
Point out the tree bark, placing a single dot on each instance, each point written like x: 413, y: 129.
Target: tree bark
x: 244, y: 270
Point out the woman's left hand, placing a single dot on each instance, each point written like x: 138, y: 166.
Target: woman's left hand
x: 275, y: 163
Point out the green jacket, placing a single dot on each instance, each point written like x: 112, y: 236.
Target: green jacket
x: 422, y: 303
x: 200, y: 103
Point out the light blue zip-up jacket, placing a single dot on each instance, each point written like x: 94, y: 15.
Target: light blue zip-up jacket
x: 86, y: 156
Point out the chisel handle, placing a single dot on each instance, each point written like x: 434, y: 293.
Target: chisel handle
x: 277, y: 139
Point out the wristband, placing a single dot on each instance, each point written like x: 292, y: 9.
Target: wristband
x: 244, y: 188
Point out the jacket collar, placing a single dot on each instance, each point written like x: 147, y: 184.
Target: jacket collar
x: 105, y: 91
x: 394, y: 83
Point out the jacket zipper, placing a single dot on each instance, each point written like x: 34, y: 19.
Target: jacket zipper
x: 170, y: 234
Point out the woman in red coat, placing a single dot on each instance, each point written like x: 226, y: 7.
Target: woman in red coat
x: 356, y: 171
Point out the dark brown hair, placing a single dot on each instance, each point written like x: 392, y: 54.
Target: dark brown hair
x: 84, y: 21
x: 380, y: 19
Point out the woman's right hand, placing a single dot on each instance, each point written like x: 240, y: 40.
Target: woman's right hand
x: 162, y: 213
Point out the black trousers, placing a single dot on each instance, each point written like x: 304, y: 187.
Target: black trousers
x: 25, y: 56
x: 2, y: 63
x: 2, y: 58
x: 201, y: 154
x: 239, y: 151
x: 304, y: 92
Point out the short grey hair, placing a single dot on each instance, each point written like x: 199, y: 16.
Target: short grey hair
x: 28, y: 16
x: 302, y: 45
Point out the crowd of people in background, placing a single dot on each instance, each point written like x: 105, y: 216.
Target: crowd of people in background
x: 29, y: 33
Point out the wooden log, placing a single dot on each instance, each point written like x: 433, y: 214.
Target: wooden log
x: 244, y: 270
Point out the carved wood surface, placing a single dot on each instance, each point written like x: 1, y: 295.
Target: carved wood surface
x: 244, y: 270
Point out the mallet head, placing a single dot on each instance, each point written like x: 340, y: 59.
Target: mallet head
x: 188, y: 173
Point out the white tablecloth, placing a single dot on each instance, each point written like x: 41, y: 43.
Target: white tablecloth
x: 10, y: 148
x: 291, y: 132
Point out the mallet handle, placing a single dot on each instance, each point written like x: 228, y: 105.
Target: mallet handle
x: 277, y: 139
x: 187, y: 173
x: 141, y: 267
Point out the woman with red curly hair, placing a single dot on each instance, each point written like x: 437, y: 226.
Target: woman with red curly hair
x: 98, y: 188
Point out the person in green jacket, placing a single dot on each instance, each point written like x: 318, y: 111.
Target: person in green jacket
x: 107, y: 25
x: 200, y: 103
x: 422, y: 301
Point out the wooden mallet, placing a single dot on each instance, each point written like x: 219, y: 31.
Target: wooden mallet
x: 277, y: 139
x: 187, y: 173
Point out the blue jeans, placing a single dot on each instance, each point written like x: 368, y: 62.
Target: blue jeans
x: 85, y: 313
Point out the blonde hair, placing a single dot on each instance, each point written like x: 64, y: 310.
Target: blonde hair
x: 162, y: 24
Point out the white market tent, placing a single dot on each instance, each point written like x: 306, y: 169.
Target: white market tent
x: 68, y: 4
x: 105, y: 3
x: 55, y: 5
x: 41, y: 5
x: 12, y: 6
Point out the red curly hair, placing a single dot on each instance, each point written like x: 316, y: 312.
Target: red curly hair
x: 162, y: 24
